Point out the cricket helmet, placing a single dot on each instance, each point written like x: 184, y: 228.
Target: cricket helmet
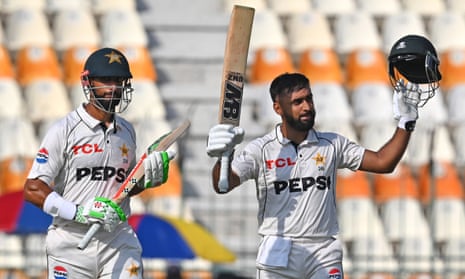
x: 414, y: 66
x: 111, y: 65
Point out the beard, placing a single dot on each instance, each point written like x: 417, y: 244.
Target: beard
x: 299, y: 125
x: 108, y: 105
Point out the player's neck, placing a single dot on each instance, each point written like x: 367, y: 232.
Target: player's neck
x: 292, y: 134
x: 99, y: 114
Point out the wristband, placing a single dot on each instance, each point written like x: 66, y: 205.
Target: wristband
x: 408, y: 125
x: 57, y: 206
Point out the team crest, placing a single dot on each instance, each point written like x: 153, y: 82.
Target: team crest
x: 319, y: 161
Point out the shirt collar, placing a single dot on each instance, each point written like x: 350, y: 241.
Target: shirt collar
x: 87, y: 118
x: 311, y: 137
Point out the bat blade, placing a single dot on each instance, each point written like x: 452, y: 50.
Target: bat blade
x: 234, y: 75
x: 161, y: 144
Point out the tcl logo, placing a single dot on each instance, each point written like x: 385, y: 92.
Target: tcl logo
x: 87, y: 148
x: 279, y: 163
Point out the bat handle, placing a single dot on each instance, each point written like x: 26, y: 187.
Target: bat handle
x: 223, y: 183
x: 90, y: 233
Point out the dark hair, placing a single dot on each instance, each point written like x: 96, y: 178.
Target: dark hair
x: 287, y: 83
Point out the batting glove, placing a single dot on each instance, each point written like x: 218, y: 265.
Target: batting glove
x: 100, y: 210
x: 405, y: 105
x: 223, y: 138
x: 156, y: 167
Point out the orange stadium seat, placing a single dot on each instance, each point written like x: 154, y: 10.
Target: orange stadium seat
x: 140, y: 61
x: 73, y: 63
x: 352, y: 184
x: 321, y: 65
x: 453, y: 68
x: 268, y: 63
x: 37, y: 62
x: 366, y: 66
x: 6, y: 66
x: 399, y: 184
x: 13, y: 173
x: 447, y: 182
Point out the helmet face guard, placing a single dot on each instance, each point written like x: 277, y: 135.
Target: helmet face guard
x: 108, y: 64
x: 119, y: 100
x: 414, y: 69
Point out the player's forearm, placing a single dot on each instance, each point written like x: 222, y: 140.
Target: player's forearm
x: 232, y: 177
x: 387, y: 157
x: 36, y: 191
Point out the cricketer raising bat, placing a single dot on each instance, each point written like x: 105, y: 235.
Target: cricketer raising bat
x: 233, y: 79
x: 137, y: 173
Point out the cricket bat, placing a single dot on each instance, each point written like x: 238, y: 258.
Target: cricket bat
x: 161, y: 144
x: 233, y: 78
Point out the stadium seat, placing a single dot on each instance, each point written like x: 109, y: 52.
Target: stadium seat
x: 116, y: 25
x: 267, y: 32
x: 73, y: 60
x: 100, y: 7
x: 46, y: 99
x: 352, y: 184
x: 146, y: 102
x: 308, y: 30
x: 380, y: 8
x: 456, y: 5
x: 55, y: 6
x: 258, y: 5
x: 13, y: 173
x: 375, y: 134
x: 447, y: 219
x: 321, y: 65
x: 26, y: 28
x: 373, y: 257
x: 327, y: 96
x: 7, y: 69
x: 371, y: 103
x: 12, y: 260
x: 443, y: 30
x: 140, y: 62
x: 11, y: 6
x: 269, y: 63
x: 403, y: 218
x: 334, y: 8
x: 454, y: 253
x: 366, y: 66
x: 400, y: 24
x: 358, y: 218
x: 442, y: 182
x: 354, y: 31
x: 399, y: 184
x: 36, y: 63
x: 417, y: 258
x: 286, y: 8
x: 70, y: 22
x: 11, y: 99
x: 20, y: 140
x: 452, y: 68
x: 425, y: 8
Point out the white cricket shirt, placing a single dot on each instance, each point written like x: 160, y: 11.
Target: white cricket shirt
x: 82, y: 160
x: 296, y: 184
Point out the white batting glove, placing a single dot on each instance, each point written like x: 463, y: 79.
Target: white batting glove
x: 100, y: 210
x: 156, y: 167
x: 223, y: 138
x: 405, y: 105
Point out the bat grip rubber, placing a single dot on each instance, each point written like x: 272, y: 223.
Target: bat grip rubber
x: 223, y: 183
x: 90, y: 233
